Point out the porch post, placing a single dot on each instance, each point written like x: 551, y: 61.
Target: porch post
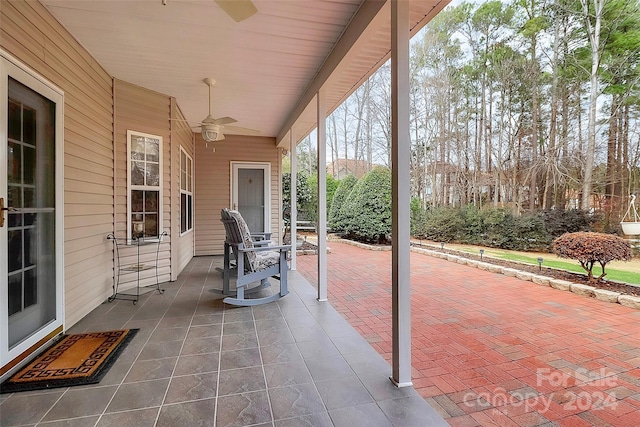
x: 293, y: 217
x: 400, y: 155
x: 321, y: 226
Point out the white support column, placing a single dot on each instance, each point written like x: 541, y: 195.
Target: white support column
x: 400, y: 161
x: 322, y: 197
x: 294, y: 197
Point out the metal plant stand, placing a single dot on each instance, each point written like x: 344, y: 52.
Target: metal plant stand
x: 124, y: 244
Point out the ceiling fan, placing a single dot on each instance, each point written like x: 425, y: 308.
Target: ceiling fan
x: 211, y: 128
x: 238, y: 10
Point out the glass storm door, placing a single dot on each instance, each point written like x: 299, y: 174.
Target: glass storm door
x: 250, y: 194
x: 31, y: 288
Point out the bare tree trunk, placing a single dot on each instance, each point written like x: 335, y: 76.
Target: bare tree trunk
x: 345, y: 134
x: 593, y: 31
x: 334, y: 144
x: 624, y: 164
x: 369, y: 119
x: 612, y: 151
x: 547, y: 199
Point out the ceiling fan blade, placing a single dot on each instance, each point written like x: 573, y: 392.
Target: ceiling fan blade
x: 239, y: 10
x: 224, y: 120
x: 236, y: 130
x: 185, y: 123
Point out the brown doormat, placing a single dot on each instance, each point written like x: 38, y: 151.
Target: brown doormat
x: 77, y: 359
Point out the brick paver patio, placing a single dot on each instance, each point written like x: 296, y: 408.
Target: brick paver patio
x: 494, y: 350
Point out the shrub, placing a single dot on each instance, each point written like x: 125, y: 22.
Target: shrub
x: 557, y: 221
x: 475, y: 226
x: 443, y: 224
x: 304, y: 195
x: 589, y: 248
x: 495, y: 221
x: 332, y: 186
x: 529, y: 233
x: 312, y: 207
x: 334, y: 218
x: 367, y: 210
x: 418, y: 216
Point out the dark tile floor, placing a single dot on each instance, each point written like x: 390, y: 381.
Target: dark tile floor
x: 199, y: 362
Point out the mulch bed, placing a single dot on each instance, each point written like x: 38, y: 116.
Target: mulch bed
x: 305, y: 245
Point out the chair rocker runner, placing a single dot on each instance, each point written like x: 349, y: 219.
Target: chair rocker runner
x: 255, y: 262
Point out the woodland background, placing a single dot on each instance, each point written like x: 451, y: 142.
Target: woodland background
x: 525, y: 106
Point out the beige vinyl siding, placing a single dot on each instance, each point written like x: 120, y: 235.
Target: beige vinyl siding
x: 29, y: 33
x: 142, y: 110
x: 213, y: 185
x: 182, y: 136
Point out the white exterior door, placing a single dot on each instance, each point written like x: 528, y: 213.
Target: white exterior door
x: 31, y: 135
x: 250, y: 194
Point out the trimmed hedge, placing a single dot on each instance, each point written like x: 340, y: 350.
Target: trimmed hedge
x: 334, y: 219
x: 367, y: 209
x: 490, y: 227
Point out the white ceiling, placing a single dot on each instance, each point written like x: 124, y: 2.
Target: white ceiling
x: 262, y: 65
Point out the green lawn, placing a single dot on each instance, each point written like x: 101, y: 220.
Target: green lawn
x: 574, y: 266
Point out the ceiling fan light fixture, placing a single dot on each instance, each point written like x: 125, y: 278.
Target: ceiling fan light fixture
x: 210, y: 133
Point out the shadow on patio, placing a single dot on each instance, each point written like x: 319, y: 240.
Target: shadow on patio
x: 198, y: 362
x: 493, y: 350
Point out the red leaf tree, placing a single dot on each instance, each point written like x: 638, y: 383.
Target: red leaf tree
x: 589, y: 248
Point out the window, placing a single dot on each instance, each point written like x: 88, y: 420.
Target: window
x: 186, y: 192
x: 144, y: 154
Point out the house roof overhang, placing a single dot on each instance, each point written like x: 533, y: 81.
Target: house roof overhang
x: 268, y: 68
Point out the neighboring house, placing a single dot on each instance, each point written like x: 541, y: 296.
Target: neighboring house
x: 93, y: 140
x: 344, y: 167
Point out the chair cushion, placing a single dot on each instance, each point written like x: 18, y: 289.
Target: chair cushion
x: 246, y: 238
x: 266, y: 259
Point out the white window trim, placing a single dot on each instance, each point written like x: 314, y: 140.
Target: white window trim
x: 187, y: 192
x: 159, y: 188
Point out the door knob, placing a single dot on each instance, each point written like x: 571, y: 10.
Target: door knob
x: 2, y: 209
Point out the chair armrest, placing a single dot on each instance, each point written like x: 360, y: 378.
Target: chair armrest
x: 265, y: 236
x: 266, y: 248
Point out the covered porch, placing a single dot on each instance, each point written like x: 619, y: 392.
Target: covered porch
x: 199, y: 362
x: 122, y: 82
x: 119, y: 78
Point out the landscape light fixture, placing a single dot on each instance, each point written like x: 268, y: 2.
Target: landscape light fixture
x: 441, y: 245
x: 481, y: 253
x: 540, y: 263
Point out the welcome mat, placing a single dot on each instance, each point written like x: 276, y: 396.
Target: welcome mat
x: 77, y: 359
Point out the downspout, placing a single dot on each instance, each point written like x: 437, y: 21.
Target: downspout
x: 113, y: 145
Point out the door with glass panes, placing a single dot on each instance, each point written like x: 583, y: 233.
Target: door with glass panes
x: 30, y: 221
x: 250, y: 194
